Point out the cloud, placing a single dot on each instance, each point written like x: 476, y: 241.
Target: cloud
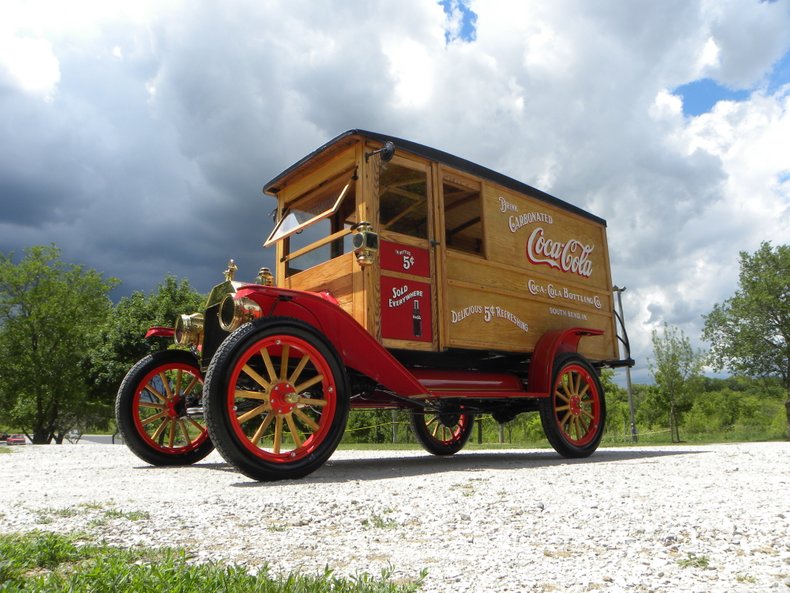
x: 146, y: 130
x: 28, y: 64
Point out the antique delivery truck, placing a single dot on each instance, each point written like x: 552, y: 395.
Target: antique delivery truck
x: 405, y: 278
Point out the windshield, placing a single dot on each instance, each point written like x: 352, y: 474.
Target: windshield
x: 315, y: 206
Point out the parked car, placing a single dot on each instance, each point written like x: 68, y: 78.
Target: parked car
x: 16, y: 439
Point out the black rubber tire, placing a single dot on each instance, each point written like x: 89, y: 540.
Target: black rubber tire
x: 231, y: 435
x: 127, y: 410
x: 574, y: 414
x: 458, y: 432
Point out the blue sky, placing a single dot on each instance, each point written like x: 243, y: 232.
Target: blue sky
x: 700, y: 96
x: 465, y: 17
x: 137, y: 135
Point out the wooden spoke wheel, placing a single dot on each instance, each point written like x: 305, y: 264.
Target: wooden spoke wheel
x: 158, y: 409
x: 442, y: 432
x: 573, y: 416
x: 277, y: 399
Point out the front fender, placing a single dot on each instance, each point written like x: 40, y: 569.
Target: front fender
x: 356, y: 347
x: 157, y: 331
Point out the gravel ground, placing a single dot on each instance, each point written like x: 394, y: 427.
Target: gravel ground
x: 661, y: 519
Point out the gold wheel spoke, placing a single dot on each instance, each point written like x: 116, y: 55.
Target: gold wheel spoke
x: 256, y: 411
x: 584, y: 391
x: 195, y: 380
x: 573, y: 430
x: 178, y: 381
x: 154, y: 405
x: 308, y: 401
x: 153, y: 418
x: 309, y: 383
x: 580, y: 429
x: 284, y: 363
x: 436, y: 430
x: 588, y: 414
x: 246, y: 394
x: 200, y: 427
x: 298, y: 370
x: 312, y: 424
x: 153, y: 391
x: 562, y: 396
x: 166, y: 385
x: 565, y: 419
x: 563, y: 408
x: 433, y: 420
x: 267, y: 361
x: 256, y: 438
x: 185, y: 431
x: 171, y: 437
x: 278, y: 434
x: 158, y: 432
x: 252, y: 373
x: 294, y: 432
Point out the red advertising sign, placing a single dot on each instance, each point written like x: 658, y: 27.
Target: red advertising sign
x: 396, y: 257
x: 406, y: 309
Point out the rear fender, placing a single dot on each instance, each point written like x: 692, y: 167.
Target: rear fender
x: 549, y: 346
x: 356, y: 347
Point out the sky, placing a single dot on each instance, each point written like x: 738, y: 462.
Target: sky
x: 137, y: 135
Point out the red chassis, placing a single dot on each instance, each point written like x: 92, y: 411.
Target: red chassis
x: 307, y: 362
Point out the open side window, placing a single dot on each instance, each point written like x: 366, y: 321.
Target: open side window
x: 403, y: 199
x: 463, y: 214
x: 318, y: 204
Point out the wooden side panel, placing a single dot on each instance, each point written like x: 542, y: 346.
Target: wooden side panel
x: 546, y: 269
x: 540, y: 238
x: 334, y: 276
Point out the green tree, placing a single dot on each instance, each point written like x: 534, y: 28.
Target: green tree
x: 674, y: 367
x: 618, y: 416
x: 48, y: 310
x: 749, y: 333
x: 120, y: 342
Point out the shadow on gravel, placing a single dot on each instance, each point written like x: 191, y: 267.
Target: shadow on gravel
x: 383, y: 468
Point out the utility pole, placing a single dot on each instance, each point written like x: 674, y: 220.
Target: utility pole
x: 619, y: 292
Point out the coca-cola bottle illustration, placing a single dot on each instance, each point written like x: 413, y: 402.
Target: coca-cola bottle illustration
x: 416, y: 319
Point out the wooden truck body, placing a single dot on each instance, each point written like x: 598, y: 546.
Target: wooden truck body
x: 405, y: 277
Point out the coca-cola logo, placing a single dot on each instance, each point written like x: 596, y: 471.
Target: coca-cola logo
x: 572, y: 256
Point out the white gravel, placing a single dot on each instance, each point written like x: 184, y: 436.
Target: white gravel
x: 650, y: 519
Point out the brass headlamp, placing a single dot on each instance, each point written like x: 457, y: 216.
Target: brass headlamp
x: 189, y: 329
x: 233, y: 313
x: 365, y: 243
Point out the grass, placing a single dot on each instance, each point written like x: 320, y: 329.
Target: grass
x: 379, y: 522
x: 40, y: 562
x: 694, y: 561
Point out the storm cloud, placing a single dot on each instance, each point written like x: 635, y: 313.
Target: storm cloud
x: 137, y: 137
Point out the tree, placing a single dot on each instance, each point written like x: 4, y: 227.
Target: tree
x: 120, y: 342
x: 675, y: 365
x: 48, y: 310
x: 618, y: 415
x: 749, y: 333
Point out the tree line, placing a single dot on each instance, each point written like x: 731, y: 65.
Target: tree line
x: 65, y: 348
